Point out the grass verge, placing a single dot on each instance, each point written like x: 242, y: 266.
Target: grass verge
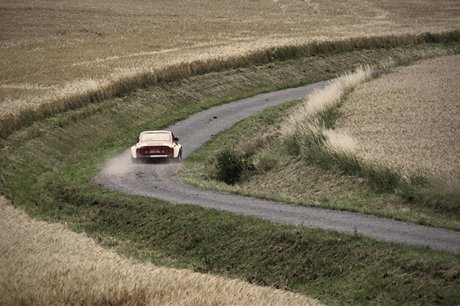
x: 48, y: 168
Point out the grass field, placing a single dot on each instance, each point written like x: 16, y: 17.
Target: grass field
x: 47, y: 264
x: 50, y: 51
x: 67, y: 149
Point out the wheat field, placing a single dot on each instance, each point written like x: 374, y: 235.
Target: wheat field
x: 408, y: 119
x: 52, y: 50
x: 47, y: 264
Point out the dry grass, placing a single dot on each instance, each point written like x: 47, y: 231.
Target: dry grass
x: 340, y: 142
x: 53, y: 50
x: 47, y: 264
x: 324, y: 99
x: 409, y: 119
x: 310, y: 122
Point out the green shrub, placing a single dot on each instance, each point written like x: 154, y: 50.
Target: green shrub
x: 232, y: 167
x: 292, y: 145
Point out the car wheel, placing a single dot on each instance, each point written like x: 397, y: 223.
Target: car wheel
x: 179, y: 157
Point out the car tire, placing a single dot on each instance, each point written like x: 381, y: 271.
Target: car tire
x: 179, y: 157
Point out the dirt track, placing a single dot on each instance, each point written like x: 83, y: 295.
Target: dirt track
x: 159, y: 180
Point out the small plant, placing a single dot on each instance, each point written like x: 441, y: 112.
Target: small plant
x: 232, y: 167
x: 292, y: 145
x: 266, y: 163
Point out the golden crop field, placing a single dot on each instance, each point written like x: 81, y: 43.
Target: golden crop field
x: 409, y: 119
x: 47, y: 264
x: 53, y: 49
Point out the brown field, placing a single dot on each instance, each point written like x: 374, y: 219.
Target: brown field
x: 409, y: 119
x: 51, y: 50
x: 47, y: 264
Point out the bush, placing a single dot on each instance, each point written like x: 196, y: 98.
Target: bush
x: 232, y: 167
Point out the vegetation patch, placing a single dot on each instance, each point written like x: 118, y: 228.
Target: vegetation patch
x: 48, y: 169
x: 79, y: 271
x: 309, y: 129
x: 233, y: 167
x: 411, y: 126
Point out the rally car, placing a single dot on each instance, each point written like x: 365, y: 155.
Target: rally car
x: 156, y: 145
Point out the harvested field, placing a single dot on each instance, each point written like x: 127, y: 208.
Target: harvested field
x: 47, y: 264
x: 409, y: 119
x: 52, y: 50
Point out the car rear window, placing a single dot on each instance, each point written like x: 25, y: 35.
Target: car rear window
x: 156, y: 137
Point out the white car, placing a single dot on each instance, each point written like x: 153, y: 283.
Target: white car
x: 156, y: 144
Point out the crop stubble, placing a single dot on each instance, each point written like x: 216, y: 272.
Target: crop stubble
x: 51, y: 50
x: 409, y: 119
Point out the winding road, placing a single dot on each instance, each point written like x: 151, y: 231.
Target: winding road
x: 159, y: 180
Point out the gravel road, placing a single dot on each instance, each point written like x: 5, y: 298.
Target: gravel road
x: 159, y: 180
